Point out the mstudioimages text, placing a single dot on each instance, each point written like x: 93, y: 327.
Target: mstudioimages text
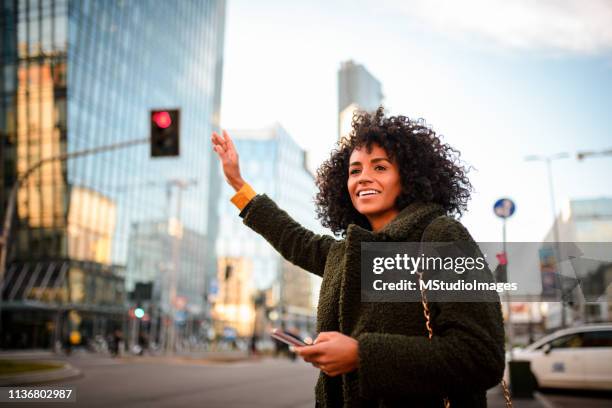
x: 440, y: 285
x: 411, y: 264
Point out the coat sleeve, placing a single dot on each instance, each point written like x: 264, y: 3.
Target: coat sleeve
x: 466, y: 352
x: 295, y: 243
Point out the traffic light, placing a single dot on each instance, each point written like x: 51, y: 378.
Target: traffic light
x: 165, y: 132
x: 501, y: 273
x: 139, y: 312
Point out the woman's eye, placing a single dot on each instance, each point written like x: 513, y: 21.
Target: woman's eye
x: 354, y: 171
x: 381, y: 168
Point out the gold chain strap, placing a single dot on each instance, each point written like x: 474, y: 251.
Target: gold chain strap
x: 427, y: 315
x: 507, y: 396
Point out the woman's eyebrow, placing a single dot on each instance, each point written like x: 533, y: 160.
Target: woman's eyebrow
x: 375, y: 160
x: 378, y: 159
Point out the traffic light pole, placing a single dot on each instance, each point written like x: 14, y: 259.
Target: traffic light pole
x: 10, y: 207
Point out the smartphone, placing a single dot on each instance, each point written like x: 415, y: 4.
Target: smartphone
x: 288, y: 338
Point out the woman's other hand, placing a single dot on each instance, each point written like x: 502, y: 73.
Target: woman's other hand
x: 332, y: 352
x: 224, y: 146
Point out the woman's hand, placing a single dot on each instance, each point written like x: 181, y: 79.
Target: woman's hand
x: 228, y: 155
x: 332, y: 352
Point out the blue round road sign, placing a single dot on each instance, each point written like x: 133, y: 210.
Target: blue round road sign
x: 504, y: 207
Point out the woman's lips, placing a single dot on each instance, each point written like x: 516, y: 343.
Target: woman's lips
x: 368, y: 196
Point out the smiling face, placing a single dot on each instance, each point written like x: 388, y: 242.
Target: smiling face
x: 374, y: 184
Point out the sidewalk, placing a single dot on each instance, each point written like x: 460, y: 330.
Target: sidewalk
x: 26, y: 354
x: 66, y: 370
x: 495, y: 399
x: 69, y: 371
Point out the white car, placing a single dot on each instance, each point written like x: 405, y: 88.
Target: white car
x: 579, y: 357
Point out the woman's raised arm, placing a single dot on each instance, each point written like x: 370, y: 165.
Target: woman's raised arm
x: 295, y: 243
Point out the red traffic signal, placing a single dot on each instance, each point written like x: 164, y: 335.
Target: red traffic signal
x: 165, y: 132
x: 502, y: 258
x: 162, y: 119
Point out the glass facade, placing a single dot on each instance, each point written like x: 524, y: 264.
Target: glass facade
x: 82, y: 74
x: 273, y: 164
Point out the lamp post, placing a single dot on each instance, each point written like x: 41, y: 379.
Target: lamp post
x: 175, y: 229
x: 548, y: 160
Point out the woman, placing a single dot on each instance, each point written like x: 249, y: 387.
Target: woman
x: 391, y: 180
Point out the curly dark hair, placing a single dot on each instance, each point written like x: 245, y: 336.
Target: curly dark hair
x: 430, y: 170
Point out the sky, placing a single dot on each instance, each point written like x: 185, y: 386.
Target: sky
x: 499, y: 80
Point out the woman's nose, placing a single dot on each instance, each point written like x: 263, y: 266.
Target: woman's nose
x: 364, y: 176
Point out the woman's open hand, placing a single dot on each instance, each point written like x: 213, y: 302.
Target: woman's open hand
x: 332, y: 352
x: 224, y: 146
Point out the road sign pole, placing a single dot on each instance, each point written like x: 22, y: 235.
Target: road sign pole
x: 509, y: 327
x: 504, y: 208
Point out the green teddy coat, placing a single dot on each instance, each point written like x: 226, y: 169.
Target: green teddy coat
x: 398, y: 365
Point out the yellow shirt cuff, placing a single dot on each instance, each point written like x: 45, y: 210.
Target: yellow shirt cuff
x: 243, y: 196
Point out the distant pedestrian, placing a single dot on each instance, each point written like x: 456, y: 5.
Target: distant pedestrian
x: 115, y: 343
x: 143, y: 343
x: 67, y: 345
x: 253, y: 345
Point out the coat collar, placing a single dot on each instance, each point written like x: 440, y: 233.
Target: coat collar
x: 401, y: 226
x: 406, y: 227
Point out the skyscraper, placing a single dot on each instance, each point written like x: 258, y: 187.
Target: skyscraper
x: 357, y: 90
x: 80, y: 74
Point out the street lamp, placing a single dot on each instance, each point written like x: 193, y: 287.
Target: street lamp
x: 548, y: 160
x: 176, y: 232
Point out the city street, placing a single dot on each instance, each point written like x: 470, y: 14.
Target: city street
x: 178, y: 382
x: 160, y: 382
x: 582, y: 399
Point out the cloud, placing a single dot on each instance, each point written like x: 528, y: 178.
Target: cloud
x: 559, y: 26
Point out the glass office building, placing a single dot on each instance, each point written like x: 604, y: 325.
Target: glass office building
x: 274, y: 164
x: 75, y: 75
